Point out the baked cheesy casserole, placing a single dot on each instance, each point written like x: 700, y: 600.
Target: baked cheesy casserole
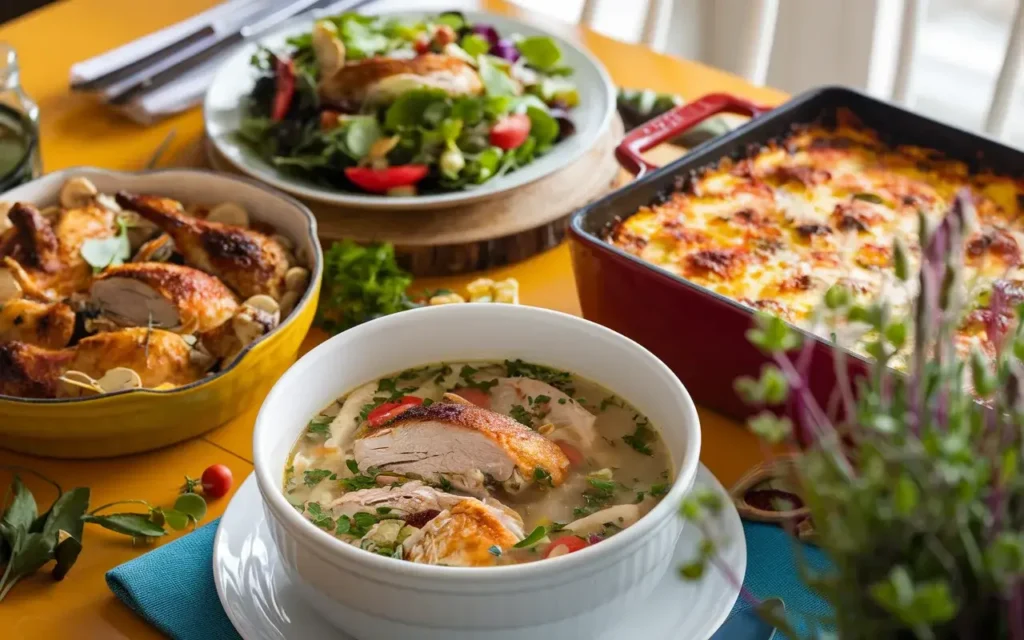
x: 823, y: 206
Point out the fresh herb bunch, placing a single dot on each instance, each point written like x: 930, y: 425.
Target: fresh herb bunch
x: 29, y: 540
x: 913, y: 483
x: 361, y: 283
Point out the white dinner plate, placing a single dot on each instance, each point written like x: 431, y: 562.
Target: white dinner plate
x: 223, y: 111
x: 262, y: 603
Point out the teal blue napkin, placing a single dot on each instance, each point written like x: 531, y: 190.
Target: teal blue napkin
x: 172, y: 587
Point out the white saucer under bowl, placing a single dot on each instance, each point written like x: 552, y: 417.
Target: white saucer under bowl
x: 263, y: 604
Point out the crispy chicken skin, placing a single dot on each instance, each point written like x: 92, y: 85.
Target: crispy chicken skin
x: 355, y: 82
x: 27, y: 371
x: 462, y: 536
x: 169, y: 296
x: 157, y: 356
x: 36, y: 242
x: 51, y: 258
x: 41, y: 324
x: 463, y: 444
x: 248, y: 261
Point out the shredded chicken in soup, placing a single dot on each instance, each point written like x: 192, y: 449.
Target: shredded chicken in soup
x: 477, y: 464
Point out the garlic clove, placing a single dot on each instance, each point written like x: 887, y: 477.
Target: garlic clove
x: 119, y: 379
x: 75, y: 384
x: 285, y: 242
x: 264, y: 303
x: 288, y: 302
x: 229, y: 213
x: 108, y: 202
x: 296, y: 279
x: 328, y: 49
x: 77, y: 192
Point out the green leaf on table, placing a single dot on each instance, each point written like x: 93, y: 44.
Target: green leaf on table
x: 192, y: 505
x: 176, y: 519
x: 137, y: 525
x: 22, y: 510
x: 66, y: 513
x: 540, y: 52
x: 496, y: 80
x: 30, y: 552
x: 65, y: 553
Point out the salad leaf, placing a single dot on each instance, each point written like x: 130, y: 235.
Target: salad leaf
x: 475, y: 45
x: 497, y: 106
x: 408, y: 109
x: 450, y: 129
x: 360, y: 134
x: 560, y: 89
x: 469, y: 110
x: 359, y: 284
x: 435, y: 113
x: 453, y: 19
x: 540, y: 52
x: 487, y: 163
x: 496, y: 81
x: 543, y: 127
x: 361, y: 36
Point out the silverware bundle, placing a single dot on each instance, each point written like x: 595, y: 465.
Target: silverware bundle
x: 170, y: 70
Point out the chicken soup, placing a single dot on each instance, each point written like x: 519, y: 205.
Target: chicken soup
x: 477, y: 464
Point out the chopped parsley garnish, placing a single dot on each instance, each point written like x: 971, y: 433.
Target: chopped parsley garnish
x: 639, y: 497
x: 383, y: 510
x: 519, y: 413
x: 560, y: 380
x: 313, y: 477
x: 356, y: 483
x: 466, y: 373
x: 358, y: 525
x: 344, y: 525
x: 542, y: 477
x: 353, y: 466
x: 658, y: 490
x: 319, y: 426
x: 542, y: 399
x: 561, y: 401
x: 532, y: 540
x: 442, y: 373
x: 495, y: 551
x: 612, y: 401
x: 596, y: 497
x: 427, y: 402
x: 641, y: 437
x: 446, y: 484
x: 319, y: 518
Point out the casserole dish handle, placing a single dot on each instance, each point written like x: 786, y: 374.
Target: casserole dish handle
x: 674, y: 122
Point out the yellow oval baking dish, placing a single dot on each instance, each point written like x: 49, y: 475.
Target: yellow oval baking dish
x: 142, y: 419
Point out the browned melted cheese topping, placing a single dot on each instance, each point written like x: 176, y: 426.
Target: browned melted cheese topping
x: 823, y: 206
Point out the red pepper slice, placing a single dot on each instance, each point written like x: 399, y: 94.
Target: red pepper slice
x: 571, y: 452
x: 381, y: 180
x: 571, y: 543
x: 284, y: 70
x: 390, y: 410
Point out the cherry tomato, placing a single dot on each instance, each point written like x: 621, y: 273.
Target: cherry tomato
x: 389, y: 410
x: 329, y: 119
x: 216, y: 481
x: 444, y: 35
x: 511, y: 131
x: 572, y: 543
x: 476, y: 396
x: 284, y: 90
x: 422, y: 44
x: 571, y: 452
x: 381, y: 180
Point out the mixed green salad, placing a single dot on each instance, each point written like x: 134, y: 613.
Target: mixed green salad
x: 432, y: 106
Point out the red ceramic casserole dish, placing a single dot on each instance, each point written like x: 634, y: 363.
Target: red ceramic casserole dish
x: 697, y: 332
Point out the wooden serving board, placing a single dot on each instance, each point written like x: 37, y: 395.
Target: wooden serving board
x: 481, y: 235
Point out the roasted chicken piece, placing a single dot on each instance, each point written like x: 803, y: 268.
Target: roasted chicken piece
x: 158, y: 357
x: 464, y: 535
x: 164, y: 295
x: 41, y: 324
x: 248, y: 261
x: 382, y: 79
x: 50, y: 258
x: 464, y: 445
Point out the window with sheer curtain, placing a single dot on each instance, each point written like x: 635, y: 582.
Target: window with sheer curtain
x: 960, y: 47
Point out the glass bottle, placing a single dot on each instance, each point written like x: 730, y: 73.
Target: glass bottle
x: 20, y: 160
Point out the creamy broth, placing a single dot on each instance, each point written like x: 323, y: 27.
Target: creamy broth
x: 477, y: 464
